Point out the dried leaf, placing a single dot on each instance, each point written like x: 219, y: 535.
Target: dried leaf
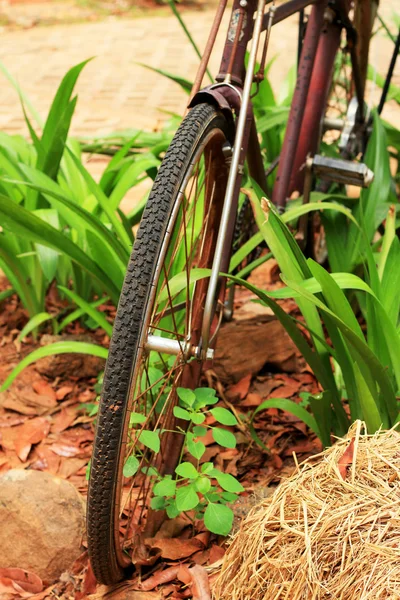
x: 23, y: 582
x: 144, y: 554
x: 287, y: 390
x: 346, y: 459
x: 67, y: 450
x: 159, y: 578
x: 70, y: 466
x: 216, y: 553
x: 63, y: 420
x: 11, y: 402
x: 89, y: 584
x: 63, y: 391
x: 175, y: 548
x: 31, y: 432
x: 201, y: 585
x: 241, y: 388
x: 123, y: 591
x: 251, y: 400
x: 42, y: 388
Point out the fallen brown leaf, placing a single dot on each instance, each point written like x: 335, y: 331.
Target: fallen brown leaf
x: 70, y: 466
x: 42, y: 400
x: 67, y: 450
x: 89, y: 584
x: 346, y: 459
x: 63, y: 391
x: 252, y: 399
x: 159, y: 578
x: 23, y: 582
x: 42, y: 388
x: 31, y: 432
x: 240, y: 389
x: 287, y: 390
x: 63, y: 419
x: 123, y: 591
x: 216, y: 553
x: 13, y: 403
x: 201, y: 585
x: 175, y: 548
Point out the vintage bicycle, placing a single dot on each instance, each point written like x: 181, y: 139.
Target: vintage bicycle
x: 166, y: 327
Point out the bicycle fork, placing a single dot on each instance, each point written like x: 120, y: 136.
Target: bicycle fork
x: 233, y: 188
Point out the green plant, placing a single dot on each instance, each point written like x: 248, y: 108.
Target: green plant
x: 197, y: 487
x: 366, y: 368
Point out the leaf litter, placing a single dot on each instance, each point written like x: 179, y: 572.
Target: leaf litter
x: 43, y: 427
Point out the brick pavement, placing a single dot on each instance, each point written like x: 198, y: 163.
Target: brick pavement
x: 115, y: 92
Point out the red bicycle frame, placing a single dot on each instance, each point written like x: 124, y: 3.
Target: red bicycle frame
x: 231, y: 93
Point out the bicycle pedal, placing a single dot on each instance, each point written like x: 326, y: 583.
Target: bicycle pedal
x: 342, y: 171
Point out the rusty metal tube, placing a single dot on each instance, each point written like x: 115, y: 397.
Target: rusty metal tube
x: 310, y: 45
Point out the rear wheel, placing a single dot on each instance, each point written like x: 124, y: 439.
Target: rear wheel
x: 159, y: 306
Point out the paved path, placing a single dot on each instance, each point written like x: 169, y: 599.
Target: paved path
x: 115, y: 92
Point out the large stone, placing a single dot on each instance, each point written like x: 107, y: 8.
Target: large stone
x: 42, y: 523
x: 61, y: 365
x: 253, y: 339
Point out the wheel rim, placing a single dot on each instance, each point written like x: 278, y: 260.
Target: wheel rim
x: 172, y: 313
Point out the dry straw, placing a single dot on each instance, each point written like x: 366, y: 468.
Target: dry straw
x: 330, y: 531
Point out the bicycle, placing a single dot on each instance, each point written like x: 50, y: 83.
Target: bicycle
x: 169, y: 312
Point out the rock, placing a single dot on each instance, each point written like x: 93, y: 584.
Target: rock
x: 42, y: 523
x: 251, y: 340
x: 59, y: 365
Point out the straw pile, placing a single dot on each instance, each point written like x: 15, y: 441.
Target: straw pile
x: 330, y: 531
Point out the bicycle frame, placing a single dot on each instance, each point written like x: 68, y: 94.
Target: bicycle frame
x: 231, y: 93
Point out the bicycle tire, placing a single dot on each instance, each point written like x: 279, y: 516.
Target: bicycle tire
x: 113, y: 416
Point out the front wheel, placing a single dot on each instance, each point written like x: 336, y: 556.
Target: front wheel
x: 136, y: 435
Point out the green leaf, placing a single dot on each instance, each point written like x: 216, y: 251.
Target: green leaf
x: 130, y: 467
x: 187, y: 396
x: 223, y: 437
x: 165, y: 487
x: 51, y: 350
x: 186, y: 469
x: 179, y: 282
x: 289, y: 406
x: 197, y: 418
x: 184, y: 83
x: 228, y: 497
x: 224, y: 416
x: 188, y: 34
x: 206, y: 467
x: 218, y: 518
x: 136, y: 418
x: 158, y: 503
x: 23, y: 223
x: 204, y: 397
x: 199, y: 431
x: 181, y: 413
x: 96, y: 315
x: 203, y: 485
x: 79, y: 312
x: 227, y: 481
x: 370, y: 410
x: 33, y: 323
x: 75, y: 214
x: 150, y: 439
x: 171, y: 510
x: 6, y: 294
x: 196, y: 449
x: 186, y: 498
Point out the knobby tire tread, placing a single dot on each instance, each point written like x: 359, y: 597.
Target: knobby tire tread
x: 125, y: 339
